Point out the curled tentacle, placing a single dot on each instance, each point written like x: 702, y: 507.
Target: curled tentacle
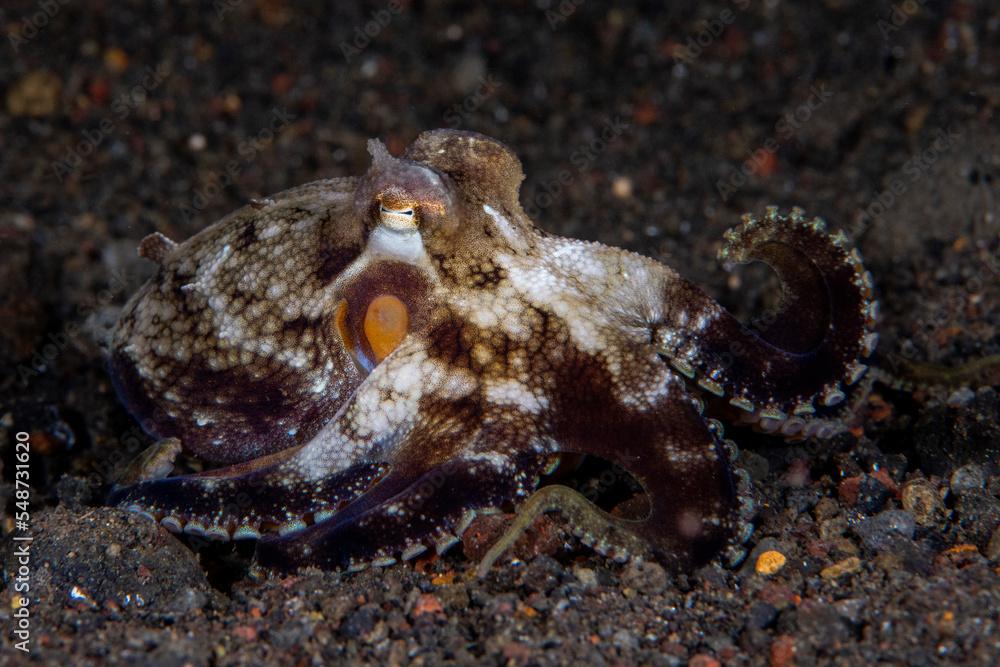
x: 799, y: 364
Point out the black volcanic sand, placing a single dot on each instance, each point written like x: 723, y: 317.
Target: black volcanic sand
x: 633, y: 124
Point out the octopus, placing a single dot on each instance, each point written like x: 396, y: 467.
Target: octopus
x: 375, y: 361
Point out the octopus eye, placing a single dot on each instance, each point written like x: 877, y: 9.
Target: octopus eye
x: 398, y: 218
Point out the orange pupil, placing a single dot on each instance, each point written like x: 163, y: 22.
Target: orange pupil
x: 386, y: 324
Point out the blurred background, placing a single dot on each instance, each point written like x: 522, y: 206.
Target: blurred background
x: 647, y: 125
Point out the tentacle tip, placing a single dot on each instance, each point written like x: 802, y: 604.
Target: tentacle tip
x: 378, y: 152
x: 156, y: 247
x: 493, y: 555
x: 483, y: 568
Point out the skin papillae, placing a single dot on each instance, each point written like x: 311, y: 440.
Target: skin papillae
x: 377, y: 359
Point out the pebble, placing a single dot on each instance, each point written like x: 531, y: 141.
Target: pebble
x: 427, y: 603
x: 873, y: 492
x: 542, y: 573
x: 976, y: 513
x: 969, y: 477
x: 770, y: 562
x: 846, y: 566
x: 832, y: 529
x: 625, y: 640
x: 879, y: 532
x: 621, y: 187
x: 761, y: 615
x: 993, y: 547
x: 703, y: 660
x: 850, y: 609
x: 826, y: 508
x: 197, y: 142
x: 646, y: 577
x: 469, y: 73
x: 516, y: 653
x: 867, y: 493
x: 783, y: 651
x: 116, y: 59
x: 187, y: 600
x: 360, y: 622
x: 921, y: 499
x: 819, y: 623
x: 960, y: 397
x: 35, y: 94
x: 586, y: 576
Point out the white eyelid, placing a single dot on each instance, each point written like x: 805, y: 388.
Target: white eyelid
x: 400, y: 219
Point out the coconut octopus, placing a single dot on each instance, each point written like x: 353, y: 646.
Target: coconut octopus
x: 377, y: 359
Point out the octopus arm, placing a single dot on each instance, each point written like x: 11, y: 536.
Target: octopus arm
x: 401, y: 466
x: 412, y: 509
x: 460, y: 456
x: 691, y: 509
x: 247, y: 500
x: 804, y: 354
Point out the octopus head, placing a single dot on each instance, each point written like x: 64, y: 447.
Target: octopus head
x: 439, y: 187
x: 400, y: 195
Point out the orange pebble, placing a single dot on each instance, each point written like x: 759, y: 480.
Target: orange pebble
x: 770, y: 562
x: 444, y: 579
x: 427, y: 603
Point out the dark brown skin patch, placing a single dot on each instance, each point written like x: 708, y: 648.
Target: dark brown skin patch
x: 331, y: 261
x: 592, y: 422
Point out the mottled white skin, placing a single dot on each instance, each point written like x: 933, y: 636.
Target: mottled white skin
x: 520, y: 345
x: 227, y: 346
